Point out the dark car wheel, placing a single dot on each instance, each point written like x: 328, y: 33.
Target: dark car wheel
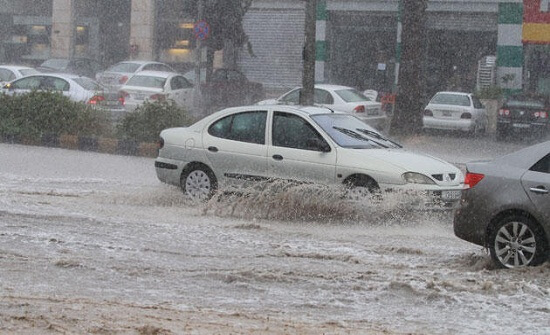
x: 360, y: 188
x: 198, y: 182
x: 501, y: 134
x: 517, y: 241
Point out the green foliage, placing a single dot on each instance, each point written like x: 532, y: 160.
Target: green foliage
x: 490, y: 93
x: 148, y: 120
x: 37, y: 113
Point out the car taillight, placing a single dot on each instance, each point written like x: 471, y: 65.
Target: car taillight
x: 428, y: 112
x: 160, y: 143
x: 504, y: 112
x: 96, y: 99
x: 123, y: 79
x: 359, y: 109
x: 122, y: 97
x: 472, y: 179
x: 542, y: 115
x: 466, y: 115
x: 158, y: 97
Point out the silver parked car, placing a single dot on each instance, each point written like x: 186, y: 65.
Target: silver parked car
x: 118, y: 74
x: 506, y: 207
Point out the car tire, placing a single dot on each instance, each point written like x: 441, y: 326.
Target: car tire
x: 360, y: 188
x: 198, y: 182
x: 517, y: 241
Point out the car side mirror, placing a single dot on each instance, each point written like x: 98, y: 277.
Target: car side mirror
x: 8, y: 87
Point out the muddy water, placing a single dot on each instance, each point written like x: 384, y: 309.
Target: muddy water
x: 102, y: 247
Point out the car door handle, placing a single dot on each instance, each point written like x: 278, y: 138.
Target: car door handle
x: 213, y: 149
x: 539, y: 190
x: 278, y: 157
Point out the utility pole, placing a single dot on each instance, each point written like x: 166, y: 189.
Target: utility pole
x: 308, y: 76
x: 198, y: 60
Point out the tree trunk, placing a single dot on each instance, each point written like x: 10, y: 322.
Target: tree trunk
x: 308, y: 76
x: 407, y: 117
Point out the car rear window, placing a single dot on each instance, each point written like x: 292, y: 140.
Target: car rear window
x: 451, y: 99
x: 124, y: 67
x: 146, y: 81
x: 351, y: 95
x: 58, y: 64
x: 88, y: 84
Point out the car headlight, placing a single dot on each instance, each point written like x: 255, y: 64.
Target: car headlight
x: 416, y: 178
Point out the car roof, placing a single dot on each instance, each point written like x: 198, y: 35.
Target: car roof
x: 453, y: 92
x: 333, y: 87
x: 162, y: 74
x: 16, y: 67
x: 526, y: 157
x: 59, y: 75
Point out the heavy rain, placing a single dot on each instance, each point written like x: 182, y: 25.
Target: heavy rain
x: 274, y: 167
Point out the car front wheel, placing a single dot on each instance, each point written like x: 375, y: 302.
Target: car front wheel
x: 198, y: 182
x: 517, y: 241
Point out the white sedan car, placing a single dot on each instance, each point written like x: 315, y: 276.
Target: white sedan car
x: 339, y: 98
x: 156, y: 86
x: 306, y: 144
x: 455, y: 111
x: 75, y: 87
x: 118, y: 74
x: 12, y: 72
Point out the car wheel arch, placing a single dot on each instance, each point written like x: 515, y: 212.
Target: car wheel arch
x: 198, y: 165
x: 361, y: 179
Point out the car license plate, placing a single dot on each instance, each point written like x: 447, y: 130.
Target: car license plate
x: 447, y: 113
x: 451, y: 195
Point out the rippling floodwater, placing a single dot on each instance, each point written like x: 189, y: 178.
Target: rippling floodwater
x: 91, y: 227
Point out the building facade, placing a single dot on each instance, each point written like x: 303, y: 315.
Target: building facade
x: 358, y: 41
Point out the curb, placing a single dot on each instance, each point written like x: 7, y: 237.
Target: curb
x: 114, y: 146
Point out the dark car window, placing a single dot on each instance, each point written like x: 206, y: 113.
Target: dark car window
x: 54, y: 84
x: 245, y: 127
x: 322, y: 97
x: 291, y: 131
x: 525, y: 103
x: 477, y: 103
x: 88, y: 84
x: 146, y: 81
x: 28, y: 83
x: 179, y: 82
x: 6, y: 75
x: 543, y: 165
x: 451, y: 99
x: 293, y: 97
x: 157, y: 67
x: 57, y: 64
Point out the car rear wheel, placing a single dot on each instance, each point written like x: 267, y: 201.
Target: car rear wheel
x: 198, y: 182
x: 517, y: 241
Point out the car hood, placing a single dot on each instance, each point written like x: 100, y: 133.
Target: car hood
x: 398, y: 160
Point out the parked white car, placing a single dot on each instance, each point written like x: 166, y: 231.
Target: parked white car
x: 340, y: 98
x: 305, y: 144
x: 455, y: 111
x: 156, y: 86
x: 75, y: 87
x: 12, y: 72
x: 118, y: 74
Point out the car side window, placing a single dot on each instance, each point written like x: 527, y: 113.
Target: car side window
x: 244, y: 127
x: 292, y: 131
x: 179, y: 82
x: 322, y: 97
x: 54, y: 84
x: 293, y: 97
x: 543, y: 165
x: 29, y: 83
x: 477, y: 103
x: 6, y: 75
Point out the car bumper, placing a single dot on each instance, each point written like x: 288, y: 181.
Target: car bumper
x: 470, y: 222
x: 169, y: 170
x: 429, y: 196
x: 512, y: 126
x: 449, y: 124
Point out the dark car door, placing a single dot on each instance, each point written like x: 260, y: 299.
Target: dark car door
x: 536, y: 182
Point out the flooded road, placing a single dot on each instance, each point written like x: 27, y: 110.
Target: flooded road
x: 93, y: 243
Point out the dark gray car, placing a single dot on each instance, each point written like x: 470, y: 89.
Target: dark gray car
x: 506, y: 207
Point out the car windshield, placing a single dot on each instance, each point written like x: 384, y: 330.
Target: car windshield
x: 350, y: 132
x: 88, y: 84
x: 451, y: 99
x: 146, y: 81
x: 28, y: 72
x: 525, y: 103
x: 124, y: 67
x: 57, y: 64
x: 351, y: 95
